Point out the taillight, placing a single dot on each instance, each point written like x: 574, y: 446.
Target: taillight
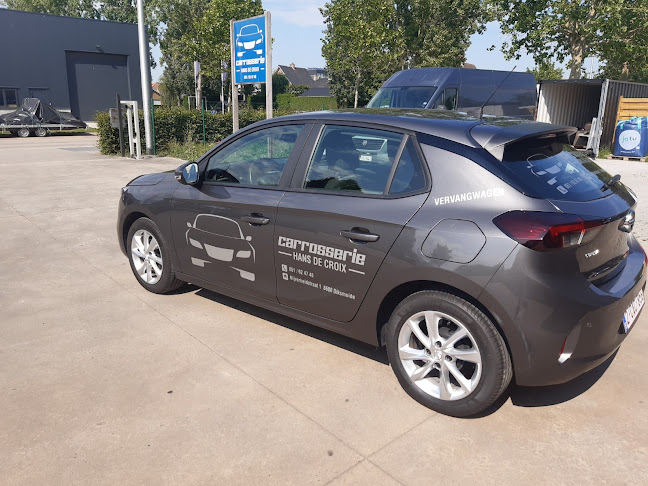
x: 547, y: 231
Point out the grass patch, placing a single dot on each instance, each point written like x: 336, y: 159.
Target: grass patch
x: 604, y: 151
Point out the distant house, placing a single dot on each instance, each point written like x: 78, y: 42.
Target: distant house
x: 157, y: 98
x: 315, y: 78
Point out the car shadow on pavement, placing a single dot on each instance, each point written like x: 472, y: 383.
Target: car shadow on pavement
x: 368, y: 351
x: 543, y: 396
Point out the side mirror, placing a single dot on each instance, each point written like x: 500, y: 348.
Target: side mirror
x: 187, y: 173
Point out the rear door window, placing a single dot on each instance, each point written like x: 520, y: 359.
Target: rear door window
x: 555, y: 170
x: 353, y: 159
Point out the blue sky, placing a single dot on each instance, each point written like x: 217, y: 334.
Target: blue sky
x: 297, y: 31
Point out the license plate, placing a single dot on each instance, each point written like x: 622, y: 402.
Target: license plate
x: 631, y: 313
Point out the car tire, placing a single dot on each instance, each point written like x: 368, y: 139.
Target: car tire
x: 149, y: 258
x: 23, y: 132
x: 462, y: 369
x: 41, y: 132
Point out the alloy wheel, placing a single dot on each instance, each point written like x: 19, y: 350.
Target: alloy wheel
x: 439, y: 355
x: 146, y: 256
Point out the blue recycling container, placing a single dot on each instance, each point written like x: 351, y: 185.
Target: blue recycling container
x: 631, y: 137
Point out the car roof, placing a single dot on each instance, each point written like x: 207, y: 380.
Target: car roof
x: 488, y: 132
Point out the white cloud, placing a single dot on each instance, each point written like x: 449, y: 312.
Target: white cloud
x: 304, y: 13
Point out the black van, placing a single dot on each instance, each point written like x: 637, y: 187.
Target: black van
x: 460, y: 89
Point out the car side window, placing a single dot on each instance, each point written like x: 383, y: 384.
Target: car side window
x: 353, y: 159
x: 257, y: 159
x: 409, y: 175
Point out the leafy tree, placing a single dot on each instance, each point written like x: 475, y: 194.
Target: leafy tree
x: 624, y: 49
x: 298, y: 89
x: 574, y: 30
x: 280, y: 84
x: 546, y: 70
x: 358, y: 47
x: 367, y: 41
x: 205, y: 32
x: 437, y: 34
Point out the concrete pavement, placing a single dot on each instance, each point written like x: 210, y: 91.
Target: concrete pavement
x: 105, y: 383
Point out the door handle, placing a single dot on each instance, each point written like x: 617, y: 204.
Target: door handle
x: 256, y: 218
x: 358, y: 235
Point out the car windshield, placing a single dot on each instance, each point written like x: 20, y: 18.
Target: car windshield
x: 402, y: 97
x: 555, y: 170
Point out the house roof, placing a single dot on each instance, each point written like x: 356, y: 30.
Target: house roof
x: 155, y: 87
x: 297, y: 75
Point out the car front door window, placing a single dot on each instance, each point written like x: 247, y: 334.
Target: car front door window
x: 256, y: 159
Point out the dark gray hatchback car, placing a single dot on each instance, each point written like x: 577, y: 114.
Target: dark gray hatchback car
x: 475, y: 251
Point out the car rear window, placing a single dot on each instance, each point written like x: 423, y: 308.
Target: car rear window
x: 554, y: 170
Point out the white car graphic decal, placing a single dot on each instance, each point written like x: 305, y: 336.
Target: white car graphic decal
x: 220, y: 239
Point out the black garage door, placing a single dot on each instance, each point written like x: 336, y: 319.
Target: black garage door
x: 93, y: 80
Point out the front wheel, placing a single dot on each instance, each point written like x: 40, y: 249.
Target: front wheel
x: 23, y: 132
x: 447, y: 354
x: 149, y: 258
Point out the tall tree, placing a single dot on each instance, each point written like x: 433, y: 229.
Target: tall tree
x: 368, y: 40
x: 359, y: 47
x: 573, y: 30
x: 624, y: 45
x: 436, y: 34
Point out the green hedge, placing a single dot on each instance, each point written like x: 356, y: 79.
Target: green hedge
x: 178, y: 125
x: 305, y: 103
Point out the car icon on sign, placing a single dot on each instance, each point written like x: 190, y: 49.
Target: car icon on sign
x: 248, y: 37
x: 219, y: 239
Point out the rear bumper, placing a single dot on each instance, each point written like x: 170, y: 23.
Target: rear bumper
x: 537, y: 313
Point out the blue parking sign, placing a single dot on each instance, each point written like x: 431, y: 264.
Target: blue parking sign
x: 250, y: 50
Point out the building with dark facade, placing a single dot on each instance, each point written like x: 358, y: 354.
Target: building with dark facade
x: 76, y: 65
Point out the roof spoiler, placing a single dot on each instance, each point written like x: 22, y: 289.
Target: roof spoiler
x: 495, y: 139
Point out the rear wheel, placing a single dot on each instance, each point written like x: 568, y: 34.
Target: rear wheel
x: 41, y: 132
x: 23, y: 132
x: 149, y: 258
x: 447, y: 354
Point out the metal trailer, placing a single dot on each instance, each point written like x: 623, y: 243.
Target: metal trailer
x: 38, y: 129
x: 576, y: 102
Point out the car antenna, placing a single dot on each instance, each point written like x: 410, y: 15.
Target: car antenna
x: 481, y: 108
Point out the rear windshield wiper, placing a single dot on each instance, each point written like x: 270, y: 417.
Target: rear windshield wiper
x: 611, y: 182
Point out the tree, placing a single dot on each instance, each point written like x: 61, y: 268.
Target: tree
x: 437, y: 34
x: 546, y: 70
x: 205, y: 32
x: 358, y: 46
x: 367, y: 41
x: 624, y: 50
x: 280, y: 84
x: 574, y: 30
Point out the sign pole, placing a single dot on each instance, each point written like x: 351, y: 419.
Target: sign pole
x: 235, y: 107
x: 268, y: 66
x: 121, y: 127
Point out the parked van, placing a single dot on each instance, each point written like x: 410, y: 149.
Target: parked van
x: 460, y: 89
